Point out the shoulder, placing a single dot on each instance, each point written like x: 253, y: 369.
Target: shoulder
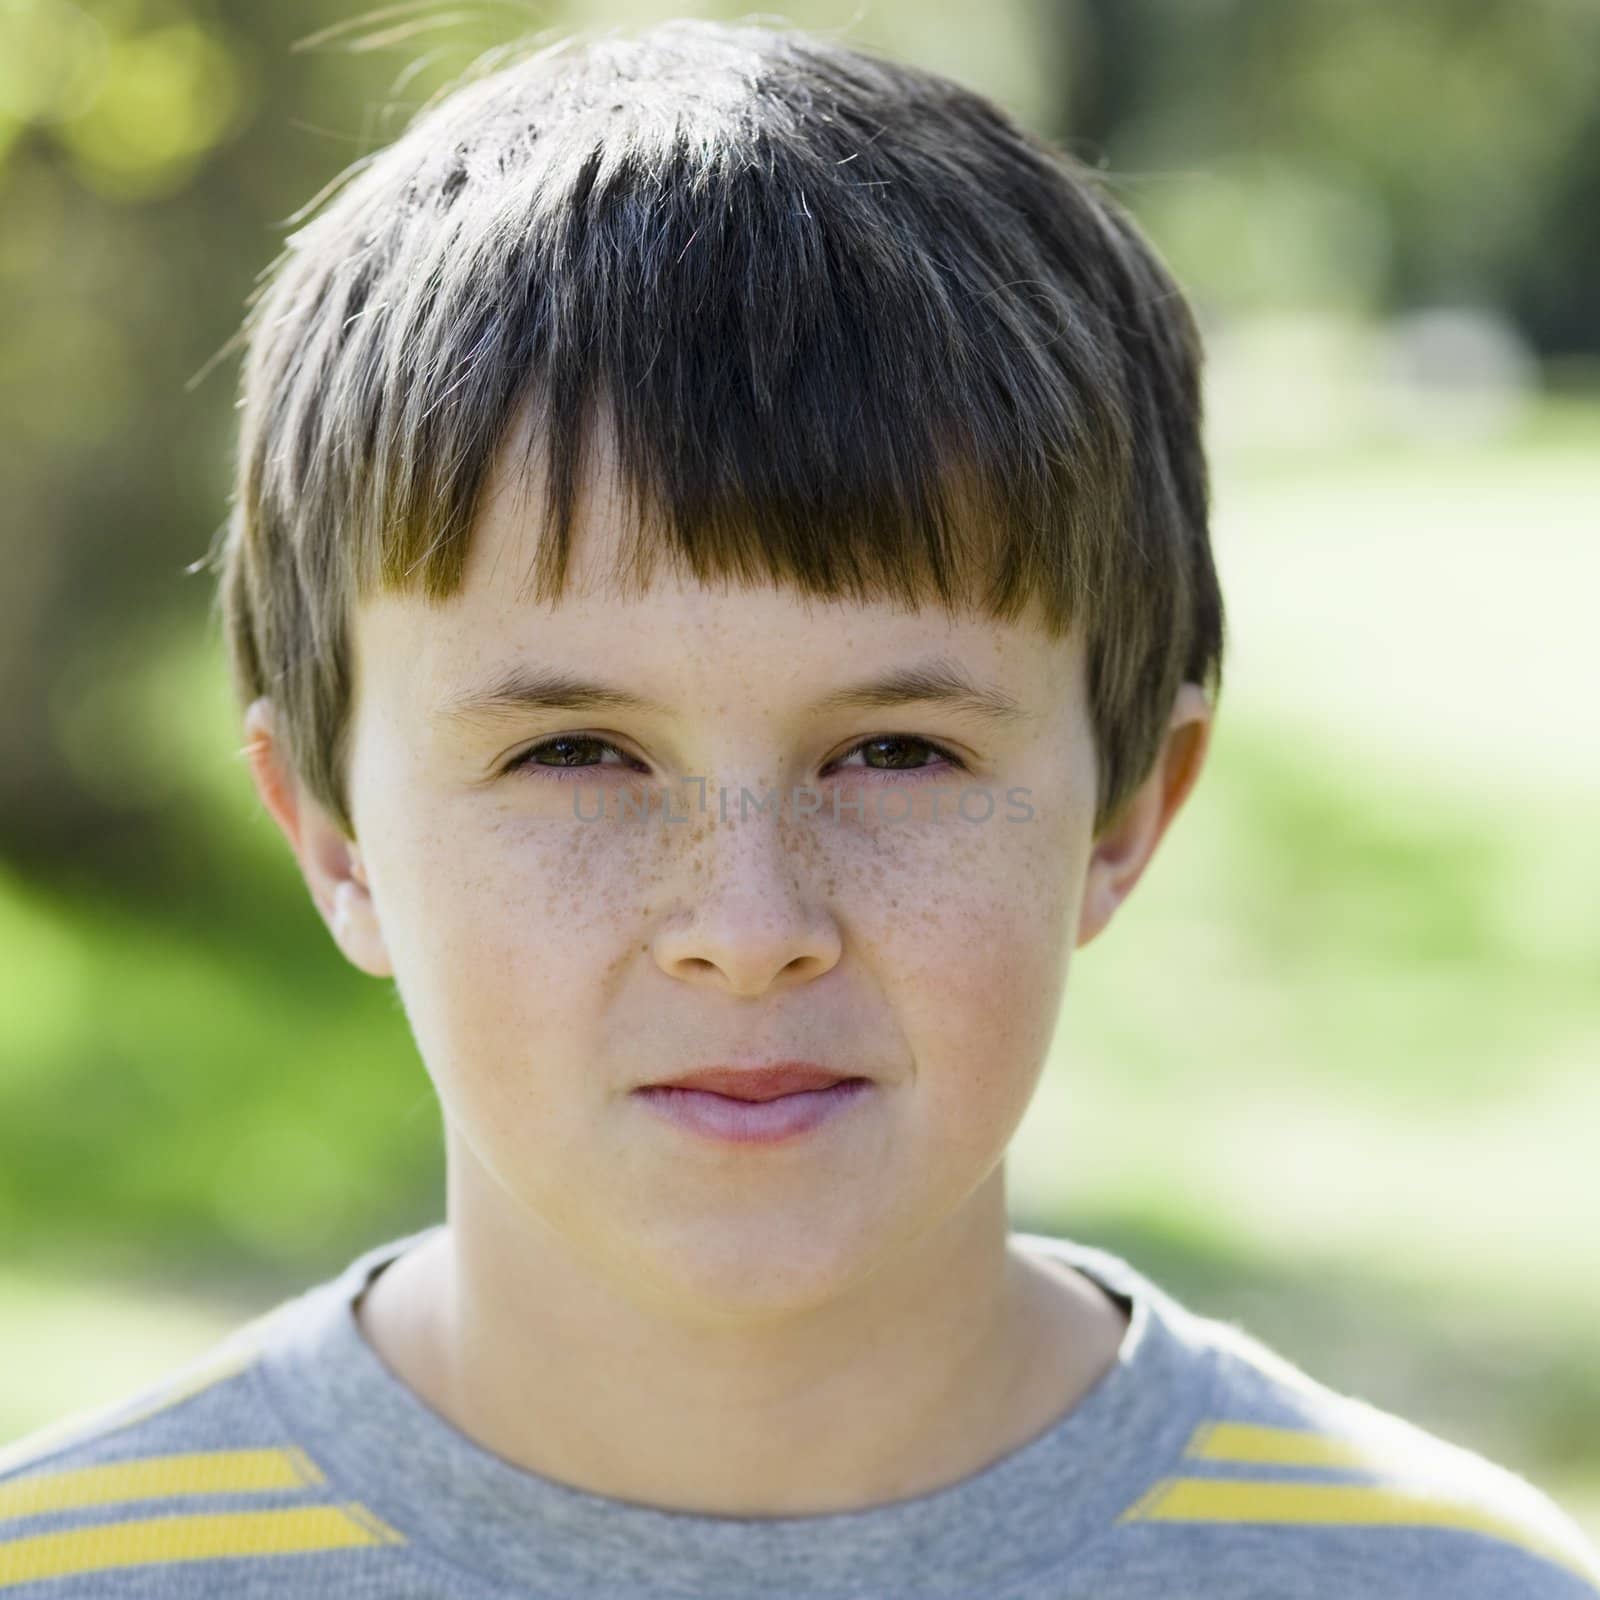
x: 1305, y: 1474
x: 145, y: 1495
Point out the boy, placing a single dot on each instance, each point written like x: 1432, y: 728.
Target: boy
x: 719, y: 588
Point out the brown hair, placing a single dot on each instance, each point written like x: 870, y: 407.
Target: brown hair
x: 845, y: 314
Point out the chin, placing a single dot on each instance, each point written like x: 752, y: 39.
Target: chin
x: 765, y: 1264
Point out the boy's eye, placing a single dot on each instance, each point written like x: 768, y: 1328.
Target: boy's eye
x: 897, y: 744
x: 567, y: 752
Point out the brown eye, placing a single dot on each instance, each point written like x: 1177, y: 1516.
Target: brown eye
x: 906, y: 753
x: 570, y: 752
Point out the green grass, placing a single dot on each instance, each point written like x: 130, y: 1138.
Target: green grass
x: 59, y: 1360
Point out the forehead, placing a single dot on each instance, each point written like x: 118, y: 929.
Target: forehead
x: 494, y: 627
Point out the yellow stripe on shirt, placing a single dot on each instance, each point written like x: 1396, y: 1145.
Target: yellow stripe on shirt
x: 1256, y: 1442
x: 154, y: 1477
x: 157, y: 1540
x: 1185, y: 1499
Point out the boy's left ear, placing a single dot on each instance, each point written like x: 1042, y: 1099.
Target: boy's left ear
x: 1123, y: 851
x: 329, y: 862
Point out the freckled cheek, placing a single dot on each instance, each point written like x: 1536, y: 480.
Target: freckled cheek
x: 510, y: 942
x: 984, y: 963
x: 976, y: 973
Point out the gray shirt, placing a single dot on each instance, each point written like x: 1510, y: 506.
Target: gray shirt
x: 290, y: 1461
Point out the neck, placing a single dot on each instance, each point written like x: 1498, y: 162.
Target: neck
x: 957, y: 1351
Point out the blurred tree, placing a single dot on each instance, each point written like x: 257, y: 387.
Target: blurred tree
x: 1457, y: 138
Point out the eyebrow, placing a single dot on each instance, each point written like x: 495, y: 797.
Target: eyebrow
x: 937, y: 681
x: 525, y: 687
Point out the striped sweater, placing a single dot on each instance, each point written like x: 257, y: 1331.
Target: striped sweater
x: 290, y: 1461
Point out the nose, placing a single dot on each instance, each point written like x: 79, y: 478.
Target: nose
x: 752, y: 926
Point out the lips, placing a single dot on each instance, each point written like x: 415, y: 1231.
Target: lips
x: 758, y: 1083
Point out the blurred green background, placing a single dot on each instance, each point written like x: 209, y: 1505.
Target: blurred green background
x: 1332, y: 1074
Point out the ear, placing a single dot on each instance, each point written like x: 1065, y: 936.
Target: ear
x: 330, y: 863
x: 1124, y: 848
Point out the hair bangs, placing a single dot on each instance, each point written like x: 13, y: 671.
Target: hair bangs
x: 788, y: 402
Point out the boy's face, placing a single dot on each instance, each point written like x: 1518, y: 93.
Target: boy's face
x: 553, y: 959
